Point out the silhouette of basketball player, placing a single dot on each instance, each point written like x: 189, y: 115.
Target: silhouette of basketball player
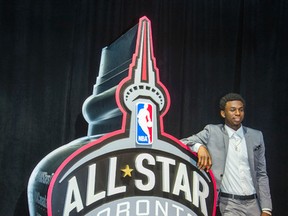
x: 144, y: 120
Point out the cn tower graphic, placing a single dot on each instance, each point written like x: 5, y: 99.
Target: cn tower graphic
x: 135, y: 170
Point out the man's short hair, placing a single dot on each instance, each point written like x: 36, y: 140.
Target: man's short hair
x: 230, y: 97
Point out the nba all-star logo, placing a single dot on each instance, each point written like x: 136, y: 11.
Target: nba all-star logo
x: 138, y: 170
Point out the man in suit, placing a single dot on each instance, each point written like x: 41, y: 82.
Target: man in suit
x: 239, y: 165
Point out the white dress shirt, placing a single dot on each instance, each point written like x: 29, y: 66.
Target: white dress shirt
x: 237, y: 176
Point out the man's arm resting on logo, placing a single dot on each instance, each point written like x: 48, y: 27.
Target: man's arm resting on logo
x: 197, y: 143
x: 204, y: 157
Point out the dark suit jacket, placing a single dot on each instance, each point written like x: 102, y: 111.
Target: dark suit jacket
x: 216, y: 138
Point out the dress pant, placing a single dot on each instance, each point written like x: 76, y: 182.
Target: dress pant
x: 235, y: 207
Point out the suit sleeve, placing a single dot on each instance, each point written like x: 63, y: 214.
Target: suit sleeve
x: 200, y: 138
x: 262, y: 177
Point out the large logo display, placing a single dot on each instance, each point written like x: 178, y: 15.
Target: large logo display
x: 138, y: 170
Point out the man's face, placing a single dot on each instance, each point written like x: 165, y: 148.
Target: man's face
x: 233, y: 114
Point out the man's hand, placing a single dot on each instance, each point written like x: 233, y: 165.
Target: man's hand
x: 265, y: 214
x: 204, y: 159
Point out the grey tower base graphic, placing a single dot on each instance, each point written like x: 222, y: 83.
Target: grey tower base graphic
x: 100, y: 110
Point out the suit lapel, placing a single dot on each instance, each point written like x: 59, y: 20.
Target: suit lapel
x: 226, y: 140
x: 249, y: 141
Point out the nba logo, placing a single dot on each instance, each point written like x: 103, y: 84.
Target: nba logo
x: 144, y: 123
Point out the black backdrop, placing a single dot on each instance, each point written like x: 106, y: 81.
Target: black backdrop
x: 49, y: 59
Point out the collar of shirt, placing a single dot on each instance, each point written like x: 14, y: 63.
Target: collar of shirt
x: 230, y: 131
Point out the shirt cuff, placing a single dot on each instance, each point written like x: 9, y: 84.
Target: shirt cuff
x: 196, y: 147
x: 267, y: 210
